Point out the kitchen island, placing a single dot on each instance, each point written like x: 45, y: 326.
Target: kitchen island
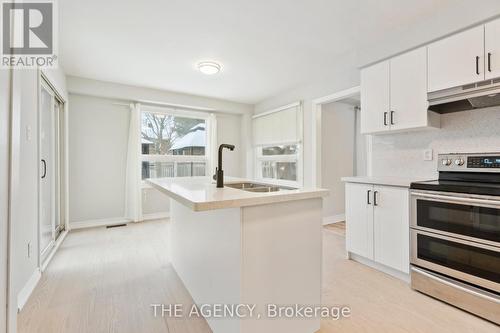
x: 247, y: 244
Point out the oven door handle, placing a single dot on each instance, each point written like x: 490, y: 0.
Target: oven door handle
x: 470, y: 201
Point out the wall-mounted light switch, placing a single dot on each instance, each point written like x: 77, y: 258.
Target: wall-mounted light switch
x: 28, y: 133
x: 428, y: 155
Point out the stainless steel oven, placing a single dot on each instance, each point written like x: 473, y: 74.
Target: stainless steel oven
x: 470, y: 217
x: 455, y: 234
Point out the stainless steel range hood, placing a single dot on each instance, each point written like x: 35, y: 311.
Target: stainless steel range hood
x: 468, y: 97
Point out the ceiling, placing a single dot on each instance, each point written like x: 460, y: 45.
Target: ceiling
x: 265, y: 46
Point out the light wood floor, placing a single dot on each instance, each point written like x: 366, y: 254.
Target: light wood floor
x: 337, y: 228
x: 104, y: 280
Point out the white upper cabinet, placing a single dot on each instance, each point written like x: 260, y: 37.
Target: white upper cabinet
x: 375, y: 102
x: 408, y: 81
x: 394, y: 95
x: 457, y: 60
x: 492, y: 49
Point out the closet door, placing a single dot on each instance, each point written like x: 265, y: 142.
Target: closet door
x: 47, y: 171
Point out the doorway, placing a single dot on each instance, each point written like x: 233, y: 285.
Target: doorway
x: 338, y: 147
x: 51, y: 182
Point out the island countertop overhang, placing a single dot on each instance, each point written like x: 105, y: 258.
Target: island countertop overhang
x: 201, y: 194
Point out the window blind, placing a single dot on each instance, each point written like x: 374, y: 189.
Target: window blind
x: 280, y: 126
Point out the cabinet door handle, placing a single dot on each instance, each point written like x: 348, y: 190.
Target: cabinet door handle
x: 368, y: 197
x: 477, y: 65
x: 392, y: 117
x: 375, y: 203
x: 489, y: 62
x: 385, y: 118
x: 44, y: 169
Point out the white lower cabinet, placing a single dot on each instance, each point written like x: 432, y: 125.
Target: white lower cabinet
x: 377, y: 223
x: 359, y: 219
x: 391, y: 227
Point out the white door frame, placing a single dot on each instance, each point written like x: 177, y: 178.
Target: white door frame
x: 5, y: 115
x: 44, y: 82
x: 316, y: 130
x: 44, y: 85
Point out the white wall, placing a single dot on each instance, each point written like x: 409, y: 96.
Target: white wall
x: 154, y: 202
x: 446, y: 20
x: 84, y: 86
x: 229, y: 131
x: 98, y: 141
x: 24, y: 179
x: 25, y: 230
x: 361, y: 146
x: 344, y: 72
x: 342, y: 80
x: 4, y: 190
x: 467, y: 131
x: 337, y: 155
x: 88, y: 87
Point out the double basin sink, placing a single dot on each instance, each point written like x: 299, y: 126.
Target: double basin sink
x: 258, y: 187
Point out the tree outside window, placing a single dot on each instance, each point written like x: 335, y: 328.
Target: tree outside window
x: 172, y: 146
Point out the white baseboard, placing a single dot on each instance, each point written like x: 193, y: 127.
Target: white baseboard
x: 333, y: 219
x: 155, y: 216
x: 25, y: 293
x: 54, y: 249
x: 379, y: 267
x: 98, y: 223
x: 115, y: 220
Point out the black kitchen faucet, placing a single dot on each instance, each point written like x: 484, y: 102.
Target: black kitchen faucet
x: 219, y: 173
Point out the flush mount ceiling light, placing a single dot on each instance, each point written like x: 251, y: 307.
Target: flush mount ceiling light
x: 209, y: 67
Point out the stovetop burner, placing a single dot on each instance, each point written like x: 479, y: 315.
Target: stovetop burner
x: 465, y: 173
x: 492, y: 189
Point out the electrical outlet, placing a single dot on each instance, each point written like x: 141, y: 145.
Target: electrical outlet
x: 428, y: 155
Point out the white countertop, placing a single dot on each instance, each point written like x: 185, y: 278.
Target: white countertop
x: 388, y: 181
x: 200, y: 193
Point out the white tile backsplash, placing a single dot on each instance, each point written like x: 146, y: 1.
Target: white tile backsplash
x: 402, y: 155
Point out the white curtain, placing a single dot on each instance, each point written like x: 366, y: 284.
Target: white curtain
x: 133, y: 197
x: 212, y: 144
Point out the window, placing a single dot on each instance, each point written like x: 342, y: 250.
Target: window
x: 277, y: 141
x: 278, y: 163
x: 173, y: 145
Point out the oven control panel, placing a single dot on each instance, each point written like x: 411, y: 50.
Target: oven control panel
x: 483, y: 161
x: 469, y: 162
